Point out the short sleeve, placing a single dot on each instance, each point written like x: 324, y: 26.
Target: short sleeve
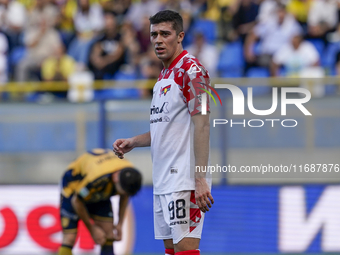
x: 196, y: 81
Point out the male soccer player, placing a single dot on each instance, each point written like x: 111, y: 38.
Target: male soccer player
x: 180, y: 193
x: 87, y: 186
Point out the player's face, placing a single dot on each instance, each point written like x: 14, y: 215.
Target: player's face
x: 165, y: 41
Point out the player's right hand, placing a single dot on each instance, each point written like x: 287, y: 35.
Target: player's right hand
x: 98, y: 235
x: 122, y: 146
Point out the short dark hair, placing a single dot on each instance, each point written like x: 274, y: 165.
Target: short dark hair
x: 131, y: 180
x: 168, y: 16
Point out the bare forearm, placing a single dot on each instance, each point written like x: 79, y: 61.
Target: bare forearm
x: 81, y: 211
x: 201, y: 144
x: 142, y: 140
x: 250, y: 41
x: 123, y: 202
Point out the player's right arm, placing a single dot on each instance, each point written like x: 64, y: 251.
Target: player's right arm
x: 122, y: 146
x: 97, y: 233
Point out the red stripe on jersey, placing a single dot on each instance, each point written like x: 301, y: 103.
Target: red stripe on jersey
x: 167, y: 74
x: 175, y: 61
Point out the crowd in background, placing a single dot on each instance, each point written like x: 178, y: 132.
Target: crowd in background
x: 51, y: 39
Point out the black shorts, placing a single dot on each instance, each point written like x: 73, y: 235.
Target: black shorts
x: 98, y: 211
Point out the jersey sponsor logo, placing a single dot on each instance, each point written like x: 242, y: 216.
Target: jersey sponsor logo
x: 161, y: 119
x: 157, y: 110
x: 164, y: 90
x: 178, y: 222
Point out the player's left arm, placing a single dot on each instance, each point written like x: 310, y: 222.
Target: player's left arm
x: 203, y: 195
x: 123, y: 202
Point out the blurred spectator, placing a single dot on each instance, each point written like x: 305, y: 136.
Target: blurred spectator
x: 41, y: 42
x: 299, y: 9
x: 322, y: 18
x: 176, y: 5
x: 119, y: 7
x: 132, y: 47
x: 29, y: 4
x: 334, y: 37
x: 228, y: 9
x: 58, y: 67
x: 267, y: 10
x: 211, y: 9
x: 107, y: 54
x: 88, y: 22
x: 337, y: 64
x: 68, y: 9
x: 150, y: 68
x: 143, y: 35
x: 188, y: 21
x: 244, y: 18
x: 138, y: 10
x: 198, y: 7
x: 206, y: 53
x: 12, y: 20
x: 274, y: 33
x: 43, y: 10
x: 3, y: 58
x: 295, y: 56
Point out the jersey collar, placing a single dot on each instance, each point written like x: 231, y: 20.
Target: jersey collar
x: 178, y: 58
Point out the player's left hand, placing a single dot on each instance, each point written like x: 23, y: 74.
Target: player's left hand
x: 117, y: 232
x: 203, y: 195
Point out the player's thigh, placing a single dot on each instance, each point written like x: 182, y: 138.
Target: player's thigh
x: 102, y: 214
x: 187, y: 244
x: 186, y: 219
x: 69, y: 221
x: 107, y: 226
x: 168, y: 244
x: 162, y: 228
x: 69, y: 239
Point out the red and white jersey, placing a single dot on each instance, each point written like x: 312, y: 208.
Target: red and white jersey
x: 176, y: 97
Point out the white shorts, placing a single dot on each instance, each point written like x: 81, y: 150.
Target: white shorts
x: 176, y: 216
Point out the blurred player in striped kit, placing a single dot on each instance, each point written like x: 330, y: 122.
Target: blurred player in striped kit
x: 87, y: 186
x: 179, y: 139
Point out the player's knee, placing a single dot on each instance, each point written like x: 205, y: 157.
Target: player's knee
x: 187, y: 244
x: 69, y: 239
x: 168, y: 244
